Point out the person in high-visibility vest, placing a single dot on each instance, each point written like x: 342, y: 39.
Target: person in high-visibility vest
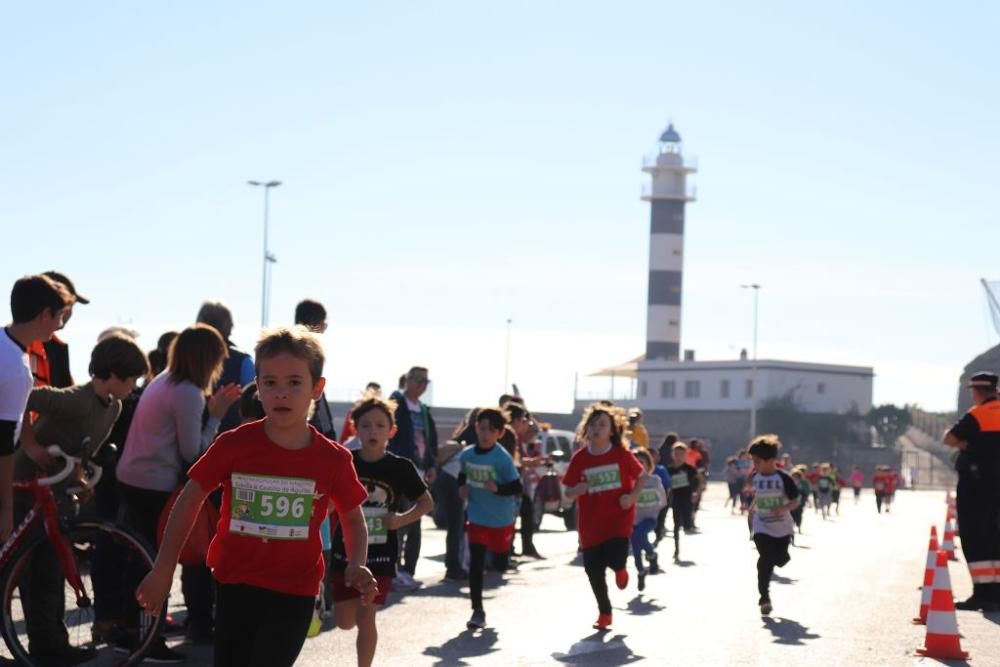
x: 977, y: 436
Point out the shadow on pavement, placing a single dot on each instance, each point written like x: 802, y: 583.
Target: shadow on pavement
x: 640, y: 606
x: 992, y: 616
x: 777, y: 578
x: 599, y: 648
x: 787, y: 631
x: 684, y: 563
x: 469, y: 644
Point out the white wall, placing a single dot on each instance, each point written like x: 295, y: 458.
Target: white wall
x: 841, y: 390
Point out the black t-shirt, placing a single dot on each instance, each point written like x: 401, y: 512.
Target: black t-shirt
x: 683, y: 480
x: 387, y: 480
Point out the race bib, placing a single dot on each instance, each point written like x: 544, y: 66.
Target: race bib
x: 378, y: 533
x: 767, y: 505
x: 271, y: 507
x: 679, y: 480
x: 879, y: 486
x: 647, y: 498
x: 477, y: 474
x: 603, y: 478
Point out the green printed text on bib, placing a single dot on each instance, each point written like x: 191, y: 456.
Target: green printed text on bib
x: 767, y: 504
x: 272, y: 507
x: 679, y: 480
x: 603, y: 478
x: 476, y: 475
x: 378, y: 533
x: 647, y: 498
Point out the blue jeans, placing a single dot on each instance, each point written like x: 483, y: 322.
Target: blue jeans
x: 640, y: 541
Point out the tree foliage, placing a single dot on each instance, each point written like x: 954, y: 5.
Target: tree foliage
x: 889, y: 421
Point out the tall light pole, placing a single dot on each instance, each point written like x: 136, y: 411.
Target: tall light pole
x: 265, y: 305
x: 506, y: 361
x: 753, y: 365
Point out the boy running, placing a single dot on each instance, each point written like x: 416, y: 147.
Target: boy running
x: 684, y: 480
x: 279, y: 479
x: 607, y: 479
x: 775, y: 495
x: 647, y: 506
x: 857, y: 480
x: 388, y: 479
x: 490, y: 483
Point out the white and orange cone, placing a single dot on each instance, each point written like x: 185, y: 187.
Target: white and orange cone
x: 925, y: 595
x: 942, y: 640
x: 948, y: 542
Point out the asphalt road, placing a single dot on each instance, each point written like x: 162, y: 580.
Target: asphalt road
x: 846, y: 598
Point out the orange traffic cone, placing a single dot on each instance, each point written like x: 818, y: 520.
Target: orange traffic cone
x: 948, y: 543
x: 925, y: 595
x: 942, y: 640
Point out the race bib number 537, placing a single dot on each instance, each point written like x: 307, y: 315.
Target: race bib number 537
x: 273, y: 507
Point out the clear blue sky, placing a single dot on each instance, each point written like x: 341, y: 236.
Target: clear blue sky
x: 448, y: 165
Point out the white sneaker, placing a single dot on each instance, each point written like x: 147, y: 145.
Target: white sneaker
x: 404, y: 582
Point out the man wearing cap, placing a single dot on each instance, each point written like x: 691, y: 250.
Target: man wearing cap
x: 50, y: 359
x: 977, y: 437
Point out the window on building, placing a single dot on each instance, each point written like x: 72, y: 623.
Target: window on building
x: 724, y: 389
x: 749, y: 389
x: 668, y: 389
x: 642, y: 388
x: 692, y: 389
x: 821, y: 388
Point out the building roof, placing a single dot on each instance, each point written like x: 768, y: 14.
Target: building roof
x: 629, y: 369
x: 670, y: 135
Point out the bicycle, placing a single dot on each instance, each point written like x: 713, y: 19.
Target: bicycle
x: 73, y: 543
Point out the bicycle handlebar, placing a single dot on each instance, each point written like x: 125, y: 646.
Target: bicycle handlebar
x: 70, y: 464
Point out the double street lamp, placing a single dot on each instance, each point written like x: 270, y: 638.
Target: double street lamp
x: 269, y: 259
x: 753, y: 365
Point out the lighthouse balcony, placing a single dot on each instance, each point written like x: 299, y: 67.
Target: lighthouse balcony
x: 651, y: 192
x: 669, y: 161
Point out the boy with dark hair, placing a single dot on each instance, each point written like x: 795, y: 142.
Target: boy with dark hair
x: 38, y: 306
x: 684, y: 481
x: 776, y: 494
x: 490, y: 483
x: 69, y: 417
x: 280, y: 479
x: 388, y: 479
x: 312, y: 315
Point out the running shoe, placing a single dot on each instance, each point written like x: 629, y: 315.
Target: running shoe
x: 654, y: 564
x: 603, y: 622
x: 642, y: 580
x: 477, y: 621
x: 765, y: 606
x: 621, y: 578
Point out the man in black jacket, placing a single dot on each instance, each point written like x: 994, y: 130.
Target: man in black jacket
x: 416, y: 439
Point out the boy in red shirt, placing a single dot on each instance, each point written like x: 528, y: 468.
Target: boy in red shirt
x: 607, y: 478
x: 280, y: 478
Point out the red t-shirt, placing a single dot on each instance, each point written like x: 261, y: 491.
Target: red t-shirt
x: 273, y: 503
x: 609, y: 476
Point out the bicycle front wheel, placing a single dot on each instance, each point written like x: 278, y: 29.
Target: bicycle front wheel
x: 42, y: 612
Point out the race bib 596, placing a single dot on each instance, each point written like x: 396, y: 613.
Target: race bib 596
x: 273, y: 507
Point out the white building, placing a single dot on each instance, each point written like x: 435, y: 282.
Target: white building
x: 730, y: 385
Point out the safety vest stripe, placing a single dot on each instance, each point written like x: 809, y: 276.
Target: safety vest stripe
x: 988, y: 416
x: 982, y: 572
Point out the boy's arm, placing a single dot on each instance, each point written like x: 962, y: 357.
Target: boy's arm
x: 355, y: 532
x: 153, y: 590
x: 424, y: 505
x: 629, y: 498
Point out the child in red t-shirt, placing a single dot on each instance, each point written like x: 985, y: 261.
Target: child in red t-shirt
x: 607, y: 479
x: 280, y: 478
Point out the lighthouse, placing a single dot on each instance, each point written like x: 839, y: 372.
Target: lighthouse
x: 667, y: 194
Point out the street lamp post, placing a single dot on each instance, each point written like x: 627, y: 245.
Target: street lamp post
x: 753, y: 365
x: 268, y: 257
